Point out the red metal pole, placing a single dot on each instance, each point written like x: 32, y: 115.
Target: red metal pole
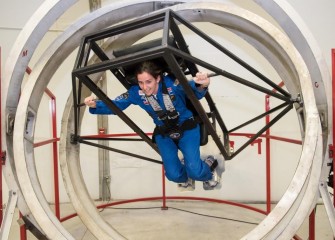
x: 268, y: 157
x: 268, y: 152
x: 164, y: 207
x: 23, y: 230
x: 54, y: 150
x: 1, y: 203
x: 54, y: 146
x: 333, y: 102
x: 312, y: 225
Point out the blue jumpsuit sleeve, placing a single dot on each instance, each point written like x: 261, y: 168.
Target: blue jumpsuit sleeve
x: 122, y: 102
x: 199, y: 93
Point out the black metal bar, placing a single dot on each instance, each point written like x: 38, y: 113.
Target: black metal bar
x: 86, y: 53
x: 75, y: 103
x: 231, y: 76
x: 260, y: 116
x: 169, y: 58
x: 181, y: 43
x: 119, y: 151
x: 128, y: 26
x: 33, y: 229
x: 121, y: 61
x: 214, y: 109
x: 166, y: 30
x: 98, y: 51
x: 102, y: 96
x: 230, y: 54
x: 103, y: 57
x: 219, y: 120
x: 273, y: 121
x: 80, y: 55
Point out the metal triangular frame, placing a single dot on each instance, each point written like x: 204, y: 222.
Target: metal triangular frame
x: 172, y: 50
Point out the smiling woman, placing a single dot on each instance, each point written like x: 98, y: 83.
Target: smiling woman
x: 161, y: 96
x: 148, y: 78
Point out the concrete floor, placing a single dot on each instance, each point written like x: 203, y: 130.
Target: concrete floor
x: 183, y: 220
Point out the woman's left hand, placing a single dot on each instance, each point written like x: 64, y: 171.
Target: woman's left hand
x: 202, y: 79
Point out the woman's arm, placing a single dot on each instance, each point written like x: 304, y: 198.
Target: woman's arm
x: 99, y: 107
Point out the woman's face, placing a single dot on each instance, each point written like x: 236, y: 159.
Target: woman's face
x: 148, y: 83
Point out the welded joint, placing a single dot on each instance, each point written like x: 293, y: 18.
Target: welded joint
x: 30, y: 124
x: 3, y: 157
x: 74, y: 138
x: 323, y: 119
x: 10, y: 120
x: 33, y: 229
x: 108, y: 178
x: 258, y: 141
x: 298, y: 99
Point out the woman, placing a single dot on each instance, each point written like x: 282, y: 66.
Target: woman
x: 165, y: 100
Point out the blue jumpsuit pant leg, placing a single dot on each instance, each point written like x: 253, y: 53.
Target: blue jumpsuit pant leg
x: 174, y: 170
x: 193, y: 166
x: 189, y: 145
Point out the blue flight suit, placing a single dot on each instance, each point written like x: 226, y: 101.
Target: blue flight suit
x: 189, y: 144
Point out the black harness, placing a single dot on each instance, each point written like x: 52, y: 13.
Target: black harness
x: 169, y: 117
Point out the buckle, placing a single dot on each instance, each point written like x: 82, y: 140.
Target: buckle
x: 163, y: 116
x: 173, y: 115
x: 175, y: 134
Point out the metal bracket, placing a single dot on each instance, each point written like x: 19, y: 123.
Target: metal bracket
x: 73, y: 139
x: 328, y: 205
x: 34, y: 230
x: 10, y: 123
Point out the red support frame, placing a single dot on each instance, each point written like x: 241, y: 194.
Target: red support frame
x: 54, y: 141
x: 333, y: 112
x: 268, y: 157
x: 1, y: 151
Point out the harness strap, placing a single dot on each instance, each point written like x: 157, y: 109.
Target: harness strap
x: 169, y: 116
x: 186, y: 125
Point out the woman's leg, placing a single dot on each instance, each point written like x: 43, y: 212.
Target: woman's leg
x: 189, y: 145
x: 174, y: 170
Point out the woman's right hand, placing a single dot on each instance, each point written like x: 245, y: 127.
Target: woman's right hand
x: 90, y: 102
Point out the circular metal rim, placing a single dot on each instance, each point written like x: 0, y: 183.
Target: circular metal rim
x: 311, y: 114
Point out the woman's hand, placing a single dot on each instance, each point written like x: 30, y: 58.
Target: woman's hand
x: 90, y: 102
x: 202, y: 79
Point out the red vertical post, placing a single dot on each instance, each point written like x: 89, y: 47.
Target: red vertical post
x: 54, y: 146
x: 312, y: 225
x: 268, y: 157
x: 55, y: 156
x: 163, y: 188
x: 1, y: 152
x: 23, y: 230
x: 333, y: 102
x: 54, y: 150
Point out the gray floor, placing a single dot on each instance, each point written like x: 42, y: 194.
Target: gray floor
x: 183, y: 220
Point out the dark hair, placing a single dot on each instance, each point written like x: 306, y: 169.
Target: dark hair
x: 149, y: 67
